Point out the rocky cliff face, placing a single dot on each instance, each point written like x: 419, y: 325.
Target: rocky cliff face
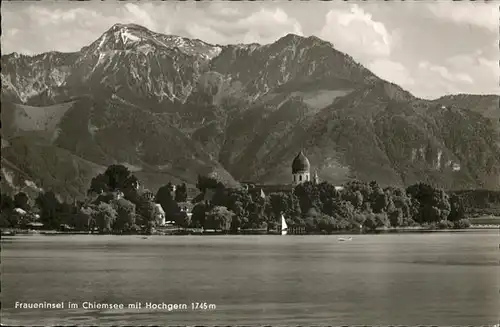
x: 178, y: 107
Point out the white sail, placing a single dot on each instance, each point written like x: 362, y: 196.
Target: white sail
x: 284, y: 227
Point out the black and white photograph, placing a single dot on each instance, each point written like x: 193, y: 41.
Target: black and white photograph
x: 250, y: 163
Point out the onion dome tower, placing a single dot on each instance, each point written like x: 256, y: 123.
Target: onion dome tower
x: 301, y: 169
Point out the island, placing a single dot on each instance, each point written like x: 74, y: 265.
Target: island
x: 117, y: 204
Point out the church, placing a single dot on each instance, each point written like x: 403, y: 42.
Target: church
x: 301, y: 170
x: 300, y: 173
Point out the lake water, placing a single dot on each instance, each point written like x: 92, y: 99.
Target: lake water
x: 407, y: 279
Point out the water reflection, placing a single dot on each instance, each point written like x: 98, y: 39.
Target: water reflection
x: 441, y: 279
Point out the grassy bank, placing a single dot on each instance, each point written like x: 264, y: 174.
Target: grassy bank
x: 485, y: 220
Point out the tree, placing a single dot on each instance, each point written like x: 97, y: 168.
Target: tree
x: 219, y: 218
x: 354, y: 197
x: 358, y: 192
x: 310, y: 224
x: 66, y: 212
x: 396, y: 218
x: 49, y: 207
x: 125, y: 215
x: 326, y: 192
x: 205, y: 182
x: 343, y: 210
x: 21, y: 200
x: 5, y: 221
x: 181, y: 193
x: 256, y: 218
x: 105, y: 216
x: 131, y: 190
x: 147, y: 210
x: 326, y: 223
x: 240, y: 219
x: 131, y: 182
x: 379, y: 201
x: 237, y: 201
x: 433, y: 204
x: 117, y: 176
x: 294, y: 210
x: 87, y: 214
x: 79, y: 221
x: 287, y: 204
x: 462, y: 223
x: 183, y: 220
x: 104, y: 197
x: 400, y: 212
x: 99, y: 184
x: 6, y: 207
x: 457, y: 208
x: 165, y: 197
x: 165, y: 193
x: 6, y: 202
x: 198, y: 218
x: 376, y: 220
x: 292, y: 206
x: 279, y: 203
x: 308, y: 195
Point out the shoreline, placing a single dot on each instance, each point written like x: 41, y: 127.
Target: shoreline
x: 396, y: 230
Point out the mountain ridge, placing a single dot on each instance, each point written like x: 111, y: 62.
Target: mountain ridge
x: 242, y: 111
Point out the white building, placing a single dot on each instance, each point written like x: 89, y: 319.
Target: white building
x: 159, y: 215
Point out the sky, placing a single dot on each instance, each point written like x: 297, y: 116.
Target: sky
x: 430, y: 48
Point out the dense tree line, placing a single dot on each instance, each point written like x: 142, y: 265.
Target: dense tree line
x: 479, y: 202
x: 322, y: 208
x: 115, y: 203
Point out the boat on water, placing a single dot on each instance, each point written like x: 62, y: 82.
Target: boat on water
x: 281, y: 229
x: 284, y: 226
x: 343, y: 239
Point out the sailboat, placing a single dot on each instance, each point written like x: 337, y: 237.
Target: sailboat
x: 284, y: 226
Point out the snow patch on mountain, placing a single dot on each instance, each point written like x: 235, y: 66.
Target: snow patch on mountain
x: 103, y: 39
x: 127, y: 36
x: 214, y: 52
x: 145, y: 48
x: 248, y: 47
x: 38, y: 80
x: 8, y: 86
x: 102, y: 55
x: 58, y: 76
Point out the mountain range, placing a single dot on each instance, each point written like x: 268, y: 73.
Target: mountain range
x: 170, y: 108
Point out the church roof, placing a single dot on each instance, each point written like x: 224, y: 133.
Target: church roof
x: 300, y: 163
